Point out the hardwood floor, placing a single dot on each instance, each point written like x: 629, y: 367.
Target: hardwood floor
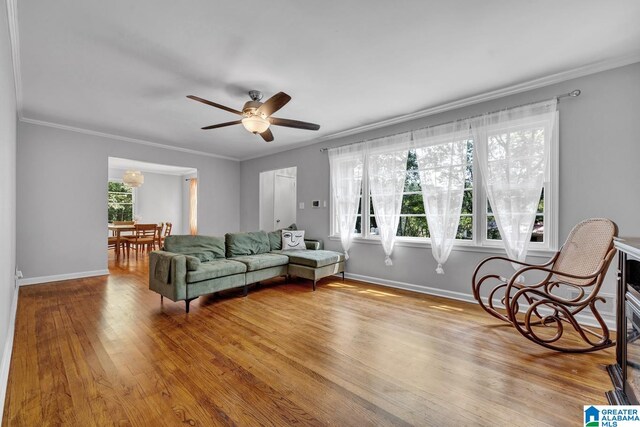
x: 104, y: 351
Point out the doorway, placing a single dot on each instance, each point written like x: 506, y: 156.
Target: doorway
x: 278, y: 197
x: 163, y: 195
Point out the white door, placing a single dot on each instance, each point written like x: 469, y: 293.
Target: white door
x: 284, y: 201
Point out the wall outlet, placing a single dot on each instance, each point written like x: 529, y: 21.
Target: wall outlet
x: 17, y: 276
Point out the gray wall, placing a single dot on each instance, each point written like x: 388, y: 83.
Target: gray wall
x: 7, y: 189
x: 61, y: 196
x: 599, y: 151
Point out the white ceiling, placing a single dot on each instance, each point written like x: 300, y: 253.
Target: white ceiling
x: 125, y: 67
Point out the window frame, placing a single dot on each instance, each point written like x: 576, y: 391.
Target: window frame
x: 479, y: 241
x: 134, y: 193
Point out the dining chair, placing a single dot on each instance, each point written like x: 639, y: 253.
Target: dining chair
x: 159, y: 235
x: 112, y: 241
x: 167, y: 232
x: 144, y: 238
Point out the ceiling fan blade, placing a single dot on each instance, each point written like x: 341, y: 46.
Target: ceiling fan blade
x: 221, y: 125
x: 273, y: 104
x: 293, y: 123
x: 267, y: 135
x: 213, y: 104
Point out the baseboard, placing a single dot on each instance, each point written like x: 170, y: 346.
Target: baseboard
x: 584, y: 319
x: 59, y: 277
x: 7, y: 351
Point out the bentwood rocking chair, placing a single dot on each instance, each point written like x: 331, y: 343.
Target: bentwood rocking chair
x: 566, y: 286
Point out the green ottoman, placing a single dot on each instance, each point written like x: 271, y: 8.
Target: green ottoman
x: 315, y: 264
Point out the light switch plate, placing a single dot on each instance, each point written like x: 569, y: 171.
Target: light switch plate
x: 301, y: 205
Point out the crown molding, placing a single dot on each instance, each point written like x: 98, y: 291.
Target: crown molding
x: 14, y: 38
x: 563, y: 76
x: 124, y: 138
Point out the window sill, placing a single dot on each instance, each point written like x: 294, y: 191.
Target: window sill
x: 464, y: 247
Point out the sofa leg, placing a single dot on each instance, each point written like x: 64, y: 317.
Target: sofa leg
x: 186, y: 303
x: 246, y: 290
x: 161, y: 299
x: 314, y: 285
x: 343, y: 276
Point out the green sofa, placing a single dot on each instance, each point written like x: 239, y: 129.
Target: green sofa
x: 192, y: 266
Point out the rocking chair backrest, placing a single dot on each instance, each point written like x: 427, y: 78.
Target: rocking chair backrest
x: 586, y: 249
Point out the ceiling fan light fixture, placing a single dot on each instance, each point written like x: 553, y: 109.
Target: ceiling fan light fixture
x: 133, y: 178
x: 255, y: 124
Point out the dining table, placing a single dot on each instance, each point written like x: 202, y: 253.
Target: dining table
x: 117, y: 230
x: 120, y: 228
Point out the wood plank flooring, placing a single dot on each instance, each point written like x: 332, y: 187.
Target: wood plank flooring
x: 104, y: 351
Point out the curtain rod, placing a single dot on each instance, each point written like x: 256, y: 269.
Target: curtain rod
x: 573, y: 94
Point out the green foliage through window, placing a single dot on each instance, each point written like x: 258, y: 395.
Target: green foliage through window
x: 120, y: 202
x: 413, y: 221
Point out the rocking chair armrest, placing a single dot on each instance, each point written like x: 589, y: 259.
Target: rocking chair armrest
x: 511, y: 283
x: 551, y: 271
x: 501, y: 258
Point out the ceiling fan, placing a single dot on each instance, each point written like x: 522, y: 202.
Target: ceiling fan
x: 256, y: 115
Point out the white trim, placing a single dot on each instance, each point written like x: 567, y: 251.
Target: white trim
x: 8, y: 351
x: 124, y: 138
x: 14, y: 37
x: 609, y: 318
x: 460, y: 245
x: 58, y: 277
x: 563, y: 76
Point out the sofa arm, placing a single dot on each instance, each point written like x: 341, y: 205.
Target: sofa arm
x: 313, y: 244
x: 175, y: 288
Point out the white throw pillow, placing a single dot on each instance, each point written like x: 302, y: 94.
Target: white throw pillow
x: 293, y: 240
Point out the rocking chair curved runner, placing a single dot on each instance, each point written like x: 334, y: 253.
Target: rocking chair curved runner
x: 569, y: 284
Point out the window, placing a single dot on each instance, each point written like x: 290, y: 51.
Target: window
x: 413, y: 222
x: 520, y: 143
x: 537, y: 234
x: 477, y: 227
x: 120, y: 202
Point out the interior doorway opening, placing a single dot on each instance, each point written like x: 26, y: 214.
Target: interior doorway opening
x: 278, y: 198
x: 149, y: 193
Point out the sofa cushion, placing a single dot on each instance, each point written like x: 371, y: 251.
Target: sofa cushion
x: 314, y: 259
x: 251, y: 243
x: 262, y: 261
x: 205, y: 248
x: 293, y: 240
x: 193, y: 263
x: 313, y: 244
x: 214, y: 269
x: 275, y: 240
x: 275, y: 237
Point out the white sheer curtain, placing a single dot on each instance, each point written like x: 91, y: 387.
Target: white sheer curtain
x: 513, y: 148
x: 346, y: 166
x: 441, y: 152
x: 387, y: 166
